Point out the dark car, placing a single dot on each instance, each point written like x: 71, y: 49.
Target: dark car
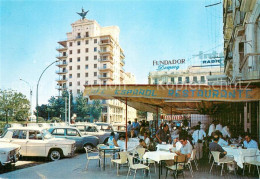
x: 73, y: 133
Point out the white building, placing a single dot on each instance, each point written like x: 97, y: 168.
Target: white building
x: 91, y: 55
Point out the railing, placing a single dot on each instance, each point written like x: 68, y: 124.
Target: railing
x: 61, y: 63
x: 61, y: 79
x: 61, y: 56
x: 61, y: 71
x: 61, y: 48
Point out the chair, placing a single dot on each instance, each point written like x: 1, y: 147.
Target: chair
x: 121, y: 161
x: 107, y: 155
x: 95, y: 157
x: 252, y: 156
x: 221, y: 161
x: 136, y: 167
x: 140, y: 151
x: 257, y: 164
x: 192, y: 158
x: 178, y: 166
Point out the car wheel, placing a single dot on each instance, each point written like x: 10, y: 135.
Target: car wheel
x: 55, y: 155
x: 88, y: 146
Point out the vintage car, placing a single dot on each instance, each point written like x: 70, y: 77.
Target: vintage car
x: 9, y: 153
x: 104, y: 126
x: 92, y: 129
x: 74, y: 134
x: 39, y: 142
x: 119, y: 128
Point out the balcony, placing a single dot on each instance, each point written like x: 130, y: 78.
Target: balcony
x: 61, y: 48
x: 108, y: 51
x: 62, y: 56
x: 105, y: 43
x: 108, y: 76
x: 122, y: 62
x: 61, y: 80
x: 61, y: 72
x: 61, y: 64
x: 122, y: 55
x: 108, y: 68
x: 61, y: 87
x: 63, y: 42
x: 106, y: 60
x: 122, y: 70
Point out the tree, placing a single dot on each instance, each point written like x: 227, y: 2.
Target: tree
x: 95, y: 109
x: 141, y: 114
x: 82, y: 107
x: 14, y: 105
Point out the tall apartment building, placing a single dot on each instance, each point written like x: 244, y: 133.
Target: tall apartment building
x: 91, y: 54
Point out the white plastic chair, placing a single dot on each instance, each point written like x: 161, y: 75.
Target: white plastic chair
x: 136, y: 167
x: 221, y: 161
x: 251, y: 155
x: 95, y: 157
x: 108, y: 155
x: 141, y: 151
x: 121, y: 161
x: 192, y: 158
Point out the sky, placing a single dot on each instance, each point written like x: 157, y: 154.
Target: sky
x: 149, y: 30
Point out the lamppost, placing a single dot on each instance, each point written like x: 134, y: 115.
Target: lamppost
x: 31, y: 111
x: 38, y: 87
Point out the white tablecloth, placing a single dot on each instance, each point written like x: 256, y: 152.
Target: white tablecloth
x: 241, y: 155
x: 159, y: 155
x: 164, y: 147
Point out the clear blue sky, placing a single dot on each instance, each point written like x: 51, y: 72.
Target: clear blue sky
x: 149, y: 30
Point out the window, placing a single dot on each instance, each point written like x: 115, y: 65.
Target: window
x: 187, y: 79
x: 95, y: 73
x: 104, y: 82
x: 78, y: 59
x: 78, y: 50
x: 202, y: 79
x: 78, y: 75
x: 104, y: 74
x: 70, y: 75
x: 95, y: 41
x: 35, y: 135
x: 172, y: 79
x: 78, y: 42
x: 70, y: 59
x: 78, y: 36
x: 70, y: 67
x: 87, y: 34
x: 19, y: 134
x: 70, y: 51
x: 70, y: 44
x: 70, y: 84
x: 86, y: 74
x: 72, y: 132
x: 86, y: 83
x: 86, y: 42
x: 95, y: 57
x: 155, y: 81
x: 86, y: 50
x: 78, y: 91
x: 91, y: 129
x: 86, y: 66
x: 95, y: 82
x: 86, y: 58
x: 104, y: 66
x: 195, y: 80
x: 59, y: 132
x: 95, y: 65
x: 64, y: 54
x: 179, y: 80
x: 78, y: 67
x: 95, y: 49
x: 78, y: 83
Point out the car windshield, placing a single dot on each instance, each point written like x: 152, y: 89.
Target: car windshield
x: 46, y: 134
x: 105, y: 127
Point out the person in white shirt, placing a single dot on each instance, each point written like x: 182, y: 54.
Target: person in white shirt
x: 202, y: 126
x: 225, y: 132
x: 211, y: 128
x: 219, y: 127
x: 198, y: 136
x: 186, y: 148
x: 121, y: 143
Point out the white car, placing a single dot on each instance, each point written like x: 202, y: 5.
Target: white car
x: 38, y: 142
x: 9, y: 153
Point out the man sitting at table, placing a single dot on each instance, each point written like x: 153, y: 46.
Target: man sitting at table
x: 221, y: 141
x: 142, y: 144
x: 186, y: 147
x: 163, y: 135
x: 250, y: 143
x: 146, y: 139
x: 214, y: 146
x: 121, y: 142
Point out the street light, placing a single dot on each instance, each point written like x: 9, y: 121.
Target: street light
x: 31, y: 111
x: 38, y: 86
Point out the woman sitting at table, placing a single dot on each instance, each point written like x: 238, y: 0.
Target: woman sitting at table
x: 111, y: 140
x: 249, y: 142
x: 121, y: 142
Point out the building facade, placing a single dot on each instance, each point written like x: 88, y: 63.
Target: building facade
x: 91, y: 55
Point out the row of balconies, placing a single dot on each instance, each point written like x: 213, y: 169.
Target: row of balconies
x: 180, y: 82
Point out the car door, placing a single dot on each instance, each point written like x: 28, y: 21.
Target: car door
x: 58, y: 133
x: 73, y: 134
x: 36, y: 146
x: 20, y: 137
x: 92, y: 130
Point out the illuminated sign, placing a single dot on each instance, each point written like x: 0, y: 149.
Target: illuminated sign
x: 168, y: 64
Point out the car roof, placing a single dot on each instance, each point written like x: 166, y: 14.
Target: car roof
x: 63, y: 127
x: 27, y: 128
x: 84, y: 124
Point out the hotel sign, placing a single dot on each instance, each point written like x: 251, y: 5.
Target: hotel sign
x: 168, y: 64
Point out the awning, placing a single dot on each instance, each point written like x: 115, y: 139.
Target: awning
x: 179, y: 99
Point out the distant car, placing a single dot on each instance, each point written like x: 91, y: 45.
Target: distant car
x: 119, y: 128
x: 42, y: 125
x: 9, y: 153
x: 74, y: 134
x: 38, y: 142
x: 92, y: 129
x: 11, y: 125
x: 104, y: 126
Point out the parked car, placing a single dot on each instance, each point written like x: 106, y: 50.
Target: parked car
x: 92, y: 129
x: 119, y: 128
x: 39, y: 142
x: 9, y: 153
x: 11, y: 125
x: 42, y: 125
x: 104, y: 126
x: 74, y: 134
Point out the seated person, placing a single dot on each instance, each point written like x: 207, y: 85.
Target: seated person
x: 132, y: 134
x: 111, y: 140
x: 142, y: 144
x: 146, y: 139
x: 214, y: 146
x: 186, y: 148
x: 163, y: 135
x: 177, y: 144
x: 249, y: 142
x: 121, y: 142
x: 221, y: 141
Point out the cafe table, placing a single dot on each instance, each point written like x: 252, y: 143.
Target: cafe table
x: 159, y: 156
x: 241, y: 155
x: 165, y: 147
x: 105, y: 148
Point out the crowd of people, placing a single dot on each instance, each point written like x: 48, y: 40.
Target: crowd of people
x: 184, y: 139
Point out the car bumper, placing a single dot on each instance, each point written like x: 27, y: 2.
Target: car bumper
x: 12, y: 159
